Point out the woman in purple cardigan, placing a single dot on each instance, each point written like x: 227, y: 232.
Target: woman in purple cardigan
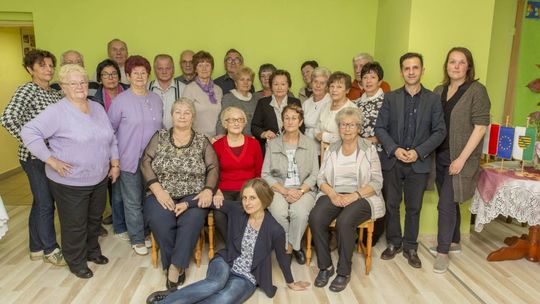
x: 81, y: 153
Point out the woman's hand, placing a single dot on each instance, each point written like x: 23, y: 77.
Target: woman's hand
x: 268, y: 134
x: 299, y: 285
x: 180, y: 208
x: 456, y: 166
x: 318, y: 136
x: 350, y: 198
x: 165, y: 200
x: 336, y: 199
x: 218, y: 199
x: 59, y: 166
x: 293, y: 195
x: 114, y: 172
x: 205, y: 198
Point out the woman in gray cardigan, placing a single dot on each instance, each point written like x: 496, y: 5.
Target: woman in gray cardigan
x: 466, y: 109
x: 290, y: 167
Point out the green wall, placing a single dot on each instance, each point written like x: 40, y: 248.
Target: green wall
x: 529, y: 57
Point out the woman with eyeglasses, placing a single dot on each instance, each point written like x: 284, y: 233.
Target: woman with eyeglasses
x: 240, y: 159
x: 290, y: 167
x: 75, y: 139
x: 136, y: 115
x: 108, y: 76
x: 350, y: 180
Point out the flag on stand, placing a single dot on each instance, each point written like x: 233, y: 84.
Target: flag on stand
x: 524, y: 139
x: 491, y: 138
x: 506, y: 139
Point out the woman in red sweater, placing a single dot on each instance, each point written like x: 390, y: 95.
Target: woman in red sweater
x: 240, y: 159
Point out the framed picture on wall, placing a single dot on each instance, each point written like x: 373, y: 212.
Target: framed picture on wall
x: 28, y: 40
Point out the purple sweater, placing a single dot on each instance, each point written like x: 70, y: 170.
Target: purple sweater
x: 85, y: 141
x: 135, y: 119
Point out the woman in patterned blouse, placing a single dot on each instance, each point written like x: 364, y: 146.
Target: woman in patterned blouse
x: 246, y: 262
x: 28, y: 101
x: 178, y: 165
x: 371, y: 101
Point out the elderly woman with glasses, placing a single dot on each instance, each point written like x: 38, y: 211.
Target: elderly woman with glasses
x: 135, y: 115
x: 350, y: 180
x: 76, y: 141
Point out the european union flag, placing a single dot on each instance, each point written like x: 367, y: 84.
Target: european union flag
x: 506, y: 141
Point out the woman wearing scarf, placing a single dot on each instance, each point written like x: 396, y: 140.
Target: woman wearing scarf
x: 205, y: 94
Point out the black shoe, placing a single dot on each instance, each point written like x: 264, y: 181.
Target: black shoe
x: 103, y: 232
x: 101, y: 260
x: 107, y: 220
x: 180, y: 282
x: 300, y: 256
x: 340, y: 283
x: 390, y: 252
x: 412, y: 258
x: 182, y: 278
x: 83, y: 273
x: 158, y: 296
x: 170, y: 285
x: 323, y: 277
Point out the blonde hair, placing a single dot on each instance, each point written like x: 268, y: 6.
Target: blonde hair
x: 185, y: 101
x: 244, y: 70
x: 67, y: 69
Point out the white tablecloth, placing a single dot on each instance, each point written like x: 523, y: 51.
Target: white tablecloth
x: 519, y: 199
x: 3, y: 219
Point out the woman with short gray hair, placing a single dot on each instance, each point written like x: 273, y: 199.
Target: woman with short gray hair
x: 320, y: 98
x: 350, y: 180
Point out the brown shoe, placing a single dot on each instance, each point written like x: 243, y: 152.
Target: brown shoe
x: 390, y: 252
x: 412, y: 258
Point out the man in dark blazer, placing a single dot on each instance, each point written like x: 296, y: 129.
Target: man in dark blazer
x: 410, y: 126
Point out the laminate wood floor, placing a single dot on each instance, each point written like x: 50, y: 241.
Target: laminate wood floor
x: 129, y: 278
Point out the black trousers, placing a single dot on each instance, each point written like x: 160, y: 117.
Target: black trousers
x: 402, y: 179
x: 79, y: 210
x: 176, y: 236
x: 347, y: 221
x: 449, y: 213
x: 220, y: 218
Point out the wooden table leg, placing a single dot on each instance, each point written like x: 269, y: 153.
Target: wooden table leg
x: 519, y: 247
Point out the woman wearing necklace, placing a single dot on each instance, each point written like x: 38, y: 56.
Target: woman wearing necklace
x: 80, y: 153
x: 327, y: 130
x: 240, y: 159
x: 241, y: 98
x: 313, y: 105
x: 178, y: 165
x: 290, y: 167
x: 466, y: 109
x: 135, y: 115
x: 267, y: 123
x: 205, y: 94
x: 246, y: 261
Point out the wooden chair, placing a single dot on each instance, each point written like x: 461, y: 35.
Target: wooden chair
x: 198, y: 247
x: 369, y: 225
x: 366, y: 250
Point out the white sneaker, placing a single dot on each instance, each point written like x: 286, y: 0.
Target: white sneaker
x: 454, y: 248
x: 148, y: 242
x: 441, y: 263
x: 124, y: 236
x: 36, y: 255
x: 140, y: 249
x: 55, y: 258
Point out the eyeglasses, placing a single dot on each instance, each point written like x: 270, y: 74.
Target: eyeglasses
x: 236, y: 120
x: 343, y: 125
x: 186, y: 62
x: 109, y: 75
x: 234, y: 60
x: 76, y: 84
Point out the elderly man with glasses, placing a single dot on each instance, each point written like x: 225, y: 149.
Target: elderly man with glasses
x: 233, y: 60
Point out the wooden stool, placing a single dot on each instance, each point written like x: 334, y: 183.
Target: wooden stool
x: 211, y: 234
x: 366, y: 250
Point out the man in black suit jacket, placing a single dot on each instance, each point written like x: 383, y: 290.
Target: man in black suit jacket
x: 410, y: 126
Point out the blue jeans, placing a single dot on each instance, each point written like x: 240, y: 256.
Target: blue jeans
x: 41, y: 219
x: 117, y: 206
x: 131, y: 188
x: 220, y: 286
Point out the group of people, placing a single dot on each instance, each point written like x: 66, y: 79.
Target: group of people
x: 171, y: 149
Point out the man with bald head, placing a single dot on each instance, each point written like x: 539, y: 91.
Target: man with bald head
x: 186, y: 65
x: 118, y: 52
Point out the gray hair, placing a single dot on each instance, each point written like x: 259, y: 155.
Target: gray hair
x: 67, y: 69
x: 320, y: 71
x: 225, y: 113
x: 64, y: 54
x: 365, y: 56
x: 187, y: 102
x: 350, y: 112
